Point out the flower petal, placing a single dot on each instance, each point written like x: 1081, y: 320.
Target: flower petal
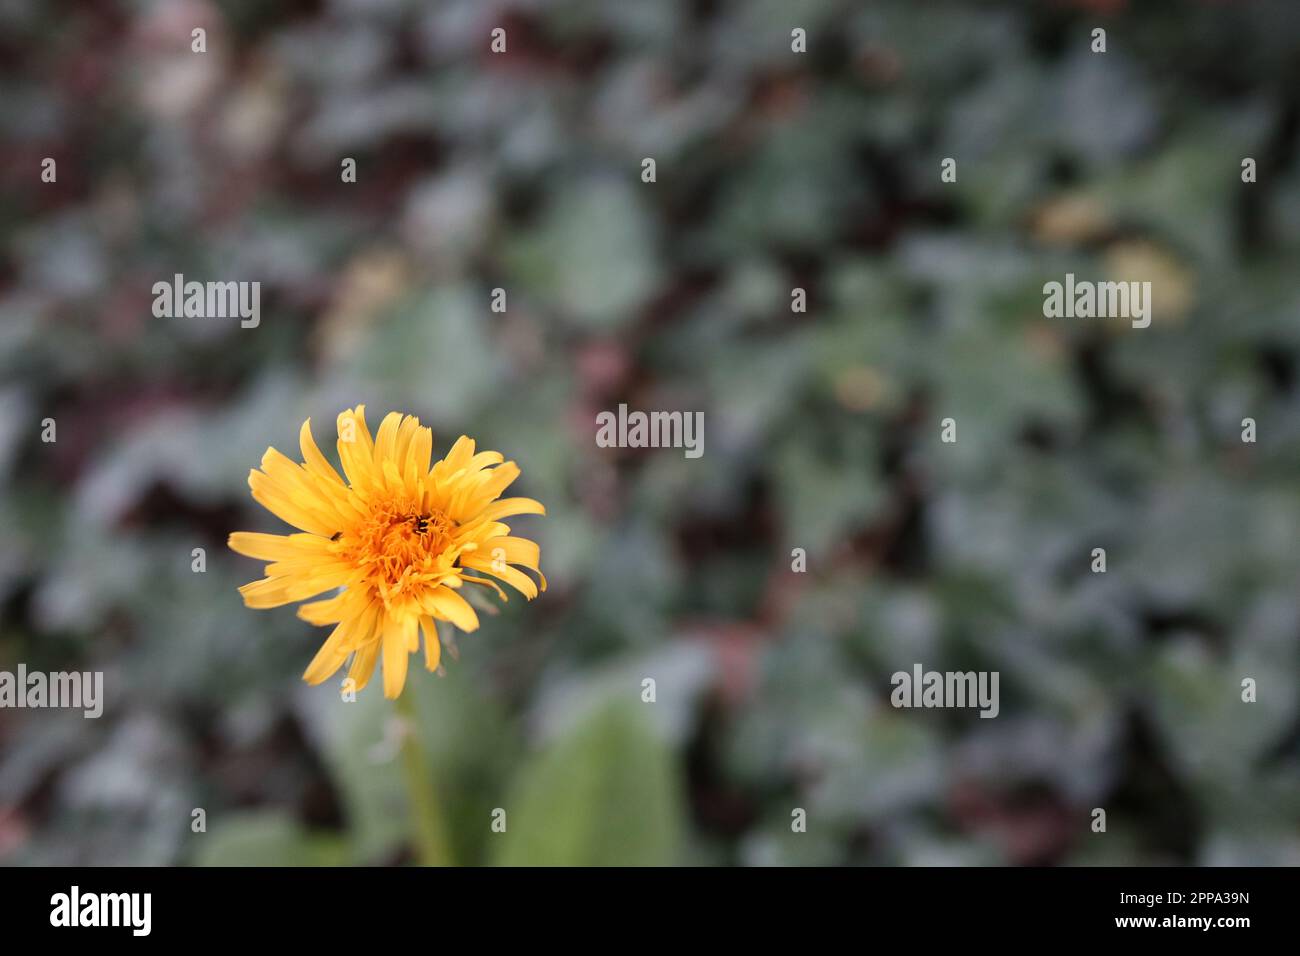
x: 349, y: 603
x: 300, y: 514
x: 512, y: 576
x: 276, y: 547
x: 336, y: 648
x: 432, y: 646
x: 363, y: 663
x: 446, y: 604
x: 511, y: 550
x: 315, y: 462
x: 397, y: 636
x: 356, y: 452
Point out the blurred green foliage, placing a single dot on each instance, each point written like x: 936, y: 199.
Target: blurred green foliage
x: 774, y: 171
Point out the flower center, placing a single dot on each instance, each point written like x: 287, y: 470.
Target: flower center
x: 400, y: 546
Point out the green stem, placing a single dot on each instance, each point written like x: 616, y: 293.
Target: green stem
x: 431, y: 846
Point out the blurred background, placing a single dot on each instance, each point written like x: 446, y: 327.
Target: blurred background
x: 775, y: 170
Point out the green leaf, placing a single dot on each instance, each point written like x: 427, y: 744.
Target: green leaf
x: 359, y: 743
x: 593, y: 257
x: 268, y: 839
x: 469, y: 747
x: 605, y: 795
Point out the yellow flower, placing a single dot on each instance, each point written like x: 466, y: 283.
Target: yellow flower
x: 400, y: 539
